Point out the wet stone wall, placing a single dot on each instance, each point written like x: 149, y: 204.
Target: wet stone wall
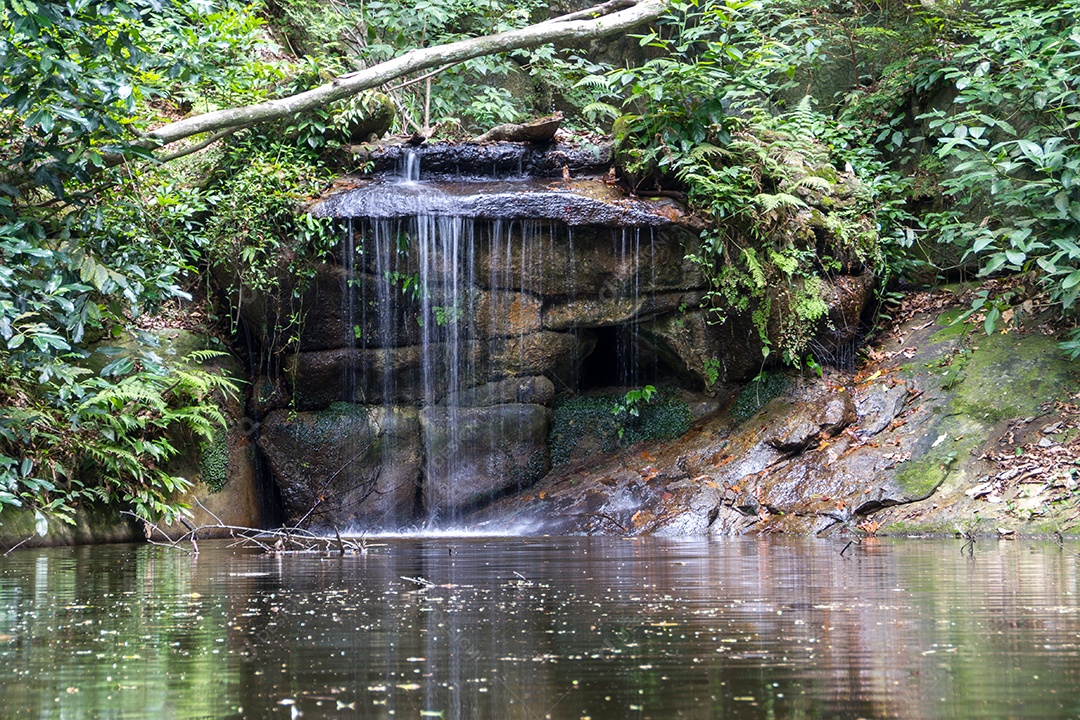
x: 452, y: 316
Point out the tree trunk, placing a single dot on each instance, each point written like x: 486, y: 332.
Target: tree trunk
x: 603, y: 20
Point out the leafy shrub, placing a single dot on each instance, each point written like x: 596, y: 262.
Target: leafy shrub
x: 790, y: 197
x: 1011, y: 142
x: 106, y: 438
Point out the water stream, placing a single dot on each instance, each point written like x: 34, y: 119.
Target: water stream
x: 475, y: 627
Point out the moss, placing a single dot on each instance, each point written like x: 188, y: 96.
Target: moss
x: 902, y: 527
x: 214, y: 461
x: 577, y: 419
x: 757, y: 392
x: 920, y: 478
x: 950, y: 331
x: 1006, y: 376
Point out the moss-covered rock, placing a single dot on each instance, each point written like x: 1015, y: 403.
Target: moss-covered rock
x: 93, y: 525
x: 349, y: 466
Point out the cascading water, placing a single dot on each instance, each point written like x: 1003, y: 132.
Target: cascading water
x: 466, y: 307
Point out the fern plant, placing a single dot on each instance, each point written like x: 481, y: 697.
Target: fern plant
x: 113, y: 446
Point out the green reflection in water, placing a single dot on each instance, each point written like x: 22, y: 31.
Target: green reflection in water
x: 111, y: 632
x: 536, y: 627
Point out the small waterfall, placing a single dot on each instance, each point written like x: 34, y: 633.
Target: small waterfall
x: 467, y: 307
x: 411, y: 172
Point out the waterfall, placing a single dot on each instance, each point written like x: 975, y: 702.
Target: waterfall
x: 466, y: 308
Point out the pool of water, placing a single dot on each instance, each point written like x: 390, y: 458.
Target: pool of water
x: 542, y: 627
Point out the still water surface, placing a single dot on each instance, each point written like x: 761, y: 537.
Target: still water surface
x: 544, y: 627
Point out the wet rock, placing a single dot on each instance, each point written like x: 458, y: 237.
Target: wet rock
x: 601, y: 263
x: 499, y: 314
x: 603, y: 310
x: 474, y: 455
x: 847, y: 297
x: 788, y: 468
x: 350, y: 466
x: 536, y: 390
x: 558, y: 356
x: 387, y: 375
x: 580, y: 203
x: 806, y: 422
x: 878, y: 405
x: 702, y: 351
x: 542, y: 131
x: 338, y: 310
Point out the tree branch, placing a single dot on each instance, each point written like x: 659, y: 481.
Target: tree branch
x: 606, y: 19
x: 198, y: 146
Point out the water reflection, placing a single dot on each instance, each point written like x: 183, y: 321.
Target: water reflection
x: 543, y: 627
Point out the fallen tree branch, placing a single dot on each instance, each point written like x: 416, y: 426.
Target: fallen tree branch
x: 618, y: 16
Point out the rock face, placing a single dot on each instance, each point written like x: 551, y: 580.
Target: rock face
x: 475, y: 304
x: 923, y: 439
x: 475, y: 455
x: 349, y: 466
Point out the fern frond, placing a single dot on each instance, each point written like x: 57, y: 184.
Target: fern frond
x: 201, y: 356
x: 600, y: 81
x: 814, y: 182
x: 706, y: 150
x: 754, y: 268
x: 602, y: 109
x: 768, y: 202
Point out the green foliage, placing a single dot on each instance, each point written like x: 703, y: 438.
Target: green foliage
x: 1011, y: 142
x: 605, y: 422
x: 256, y: 227
x: 712, y: 371
x: 105, y: 437
x: 790, y: 197
x: 470, y: 96
x: 631, y: 404
x: 88, y: 248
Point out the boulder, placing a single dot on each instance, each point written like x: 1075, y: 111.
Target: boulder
x: 847, y: 297
x: 474, y: 455
x: 406, y: 375
x: 340, y: 309
x: 605, y: 309
x: 557, y: 356
x: 703, y: 351
x: 350, y: 466
x: 500, y: 314
x: 590, y: 261
x: 537, y: 390
x: 878, y: 405
x: 806, y: 422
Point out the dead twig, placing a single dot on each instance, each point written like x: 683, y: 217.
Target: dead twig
x: 17, y: 545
